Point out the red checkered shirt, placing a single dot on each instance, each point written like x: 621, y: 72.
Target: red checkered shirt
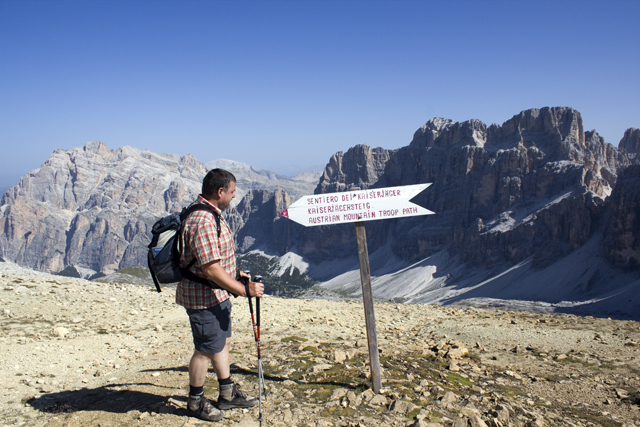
x: 200, y: 241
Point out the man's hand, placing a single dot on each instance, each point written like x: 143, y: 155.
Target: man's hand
x: 217, y: 274
x: 256, y: 289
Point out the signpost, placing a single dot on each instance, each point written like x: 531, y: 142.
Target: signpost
x: 358, y: 206
x: 361, y: 205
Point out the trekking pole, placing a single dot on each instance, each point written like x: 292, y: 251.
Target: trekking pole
x: 261, y: 371
x: 256, y: 336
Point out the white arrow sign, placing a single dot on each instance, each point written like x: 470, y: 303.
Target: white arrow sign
x: 352, y: 206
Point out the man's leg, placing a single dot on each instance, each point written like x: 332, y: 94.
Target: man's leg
x: 197, y: 403
x: 220, y: 361
x: 198, y: 367
x: 230, y: 396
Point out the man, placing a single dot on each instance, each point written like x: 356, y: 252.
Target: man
x: 209, y: 308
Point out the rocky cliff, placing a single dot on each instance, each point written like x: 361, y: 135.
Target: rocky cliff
x: 630, y: 144
x: 535, y: 186
x: 361, y: 166
x: 622, y: 232
x: 94, y: 207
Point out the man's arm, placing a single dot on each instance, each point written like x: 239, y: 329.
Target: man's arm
x: 218, y: 275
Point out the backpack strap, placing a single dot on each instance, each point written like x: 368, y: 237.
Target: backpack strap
x: 186, y: 272
x: 200, y: 207
x: 153, y: 275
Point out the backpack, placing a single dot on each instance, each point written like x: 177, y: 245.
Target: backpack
x: 164, y: 253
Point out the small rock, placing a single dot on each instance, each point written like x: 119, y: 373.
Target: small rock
x: 321, y: 367
x: 378, y: 400
x: 449, y: 397
x: 457, y: 353
x: 367, y: 395
x: 338, y: 393
x: 174, y: 402
x: 61, y: 332
x: 340, y: 356
x: 401, y: 406
x: 288, y: 395
x: 477, y: 389
x: 469, y: 410
x: 353, y: 399
x: 622, y: 393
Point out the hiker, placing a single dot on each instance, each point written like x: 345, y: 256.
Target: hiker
x: 209, y: 307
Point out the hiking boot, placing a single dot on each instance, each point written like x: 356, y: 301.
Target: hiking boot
x: 231, y: 397
x: 202, y: 408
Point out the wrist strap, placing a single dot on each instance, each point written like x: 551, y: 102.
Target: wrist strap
x: 246, y: 289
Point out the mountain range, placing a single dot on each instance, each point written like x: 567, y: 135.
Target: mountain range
x: 536, y: 213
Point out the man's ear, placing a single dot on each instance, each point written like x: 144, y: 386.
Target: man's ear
x: 220, y: 190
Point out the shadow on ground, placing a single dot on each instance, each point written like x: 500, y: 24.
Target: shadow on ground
x: 112, y: 398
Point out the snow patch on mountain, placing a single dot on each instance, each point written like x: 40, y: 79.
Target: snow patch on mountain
x: 289, y: 262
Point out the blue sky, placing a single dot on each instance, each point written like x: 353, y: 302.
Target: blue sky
x: 282, y: 85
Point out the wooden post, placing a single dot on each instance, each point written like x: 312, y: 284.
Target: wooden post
x: 367, y: 298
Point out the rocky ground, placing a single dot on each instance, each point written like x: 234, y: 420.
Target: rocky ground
x: 79, y: 353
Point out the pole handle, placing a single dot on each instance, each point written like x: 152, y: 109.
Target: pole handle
x: 258, y: 279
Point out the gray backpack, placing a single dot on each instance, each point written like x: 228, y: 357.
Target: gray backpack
x: 164, y: 250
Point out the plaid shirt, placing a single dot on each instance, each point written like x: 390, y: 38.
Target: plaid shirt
x: 200, y: 240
